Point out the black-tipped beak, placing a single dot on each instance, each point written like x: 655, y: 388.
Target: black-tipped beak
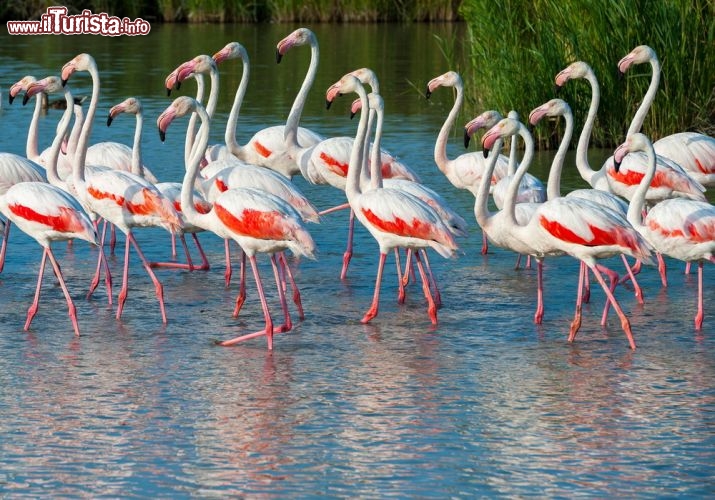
x: 25, y: 99
x: 10, y: 98
x: 467, y: 138
x: 485, y: 152
x: 168, y: 92
x: 64, y: 82
x: 162, y: 135
x: 620, y: 75
x: 352, y: 115
x: 109, y: 120
x: 428, y: 94
x: 279, y: 56
x: 617, y: 165
x: 328, y: 103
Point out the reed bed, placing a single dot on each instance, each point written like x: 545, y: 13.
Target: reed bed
x: 518, y: 48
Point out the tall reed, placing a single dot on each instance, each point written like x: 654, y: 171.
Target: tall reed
x: 518, y: 47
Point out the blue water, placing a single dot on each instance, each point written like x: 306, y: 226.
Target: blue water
x: 484, y: 404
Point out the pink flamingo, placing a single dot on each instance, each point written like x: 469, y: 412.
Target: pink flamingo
x: 694, y: 152
x: 47, y: 213
x: 573, y: 226
x: 122, y: 198
x: 680, y: 228
x: 464, y: 171
x: 258, y: 221
x: 170, y: 190
x: 394, y: 218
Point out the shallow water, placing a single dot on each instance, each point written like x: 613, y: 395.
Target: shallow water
x: 486, y: 403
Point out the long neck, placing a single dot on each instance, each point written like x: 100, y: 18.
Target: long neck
x: 582, y: 164
x: 440, y: 147
x: 352, y: 184
x: 230, y: 136
x: 291, y: 128
x: 648, y: 99
x: 191, y: 127
x: 83, y: 141
x: 553, y: 183
x: 637, y: 203
x: 512, y: 192
x: 137, y: 166
x: 52, y: 176
x: 192, y: 169
x: 375, y: 158
x: 32, y: 150
x: 76, y: 130
x: 367, y: 180
x: 481, y: 203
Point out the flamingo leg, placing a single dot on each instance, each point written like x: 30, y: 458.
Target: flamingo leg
x: 189, y: 265
x: 528, y: 262
x: 173, y: 246
x: 125, y: 285
x: 662, y: 270
x: 687, y: 268
x: 296, y: 291
x: 400, y: 277
x: 241, y: 297
x: 700, y: 314
x: 518, y: 261
x: 613, y: 278
x: 334, y: 209
x: 268, y: 330
x: 576, y: 323
x: 539, y: 314
x: 280, y: 282
x: 372, y: 312
x: 112, y: 238
x: 408, y: 266
x: 229, y: 270
x: 101, y: 262
x: 431, y: 307
x: 625, y: 324
x: 204, y: 261
x: 632, y: 276
x: 436, y: 294
x: 3, y: 249
x: 349, y: 249
x: 485, y: 243
x: 71, y: 309
x: 32, y: 310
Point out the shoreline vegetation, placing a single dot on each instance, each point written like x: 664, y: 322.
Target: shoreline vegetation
x: 512, y: 50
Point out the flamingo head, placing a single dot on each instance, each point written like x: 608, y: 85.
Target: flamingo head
x: 505, y: 128
x: 367, y: 77
x: 81, y: 62
x: 181, y: 106
x: 20, y: 86
x: 555, y: 107
x: 130, y: 105
x: 448, y: 79
x: 575, y: 70
x: 639, y: 55
x: 232, y: 50
x: 301, y: 36
x: 486, y: 120
x: 172, y: 82
x: 199, y: 64
x: 49, y: 85
x: 634, y: 142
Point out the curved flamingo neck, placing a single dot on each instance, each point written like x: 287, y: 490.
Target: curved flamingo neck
x: 230, y: 135
x: 54, y: 155
x: 83, y: 141
x: 553, y: 183
x: 191, y: 127
x: 481, y: 203
x: 137, y: 166
x: 352, y: 183
x: 192, y: 169
x: 639, y: 117
x: 440, y: 147
x: 76, y: 130
x: 584, y: 168
x: 637, y: 203
x: 32, y: 150
x: 512, y: 192
x: 375, y: 158
x: 293, y: 120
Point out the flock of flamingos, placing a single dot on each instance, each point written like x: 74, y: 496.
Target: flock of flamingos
x: 244, y: 193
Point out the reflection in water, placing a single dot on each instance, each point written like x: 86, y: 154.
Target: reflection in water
x: 485, y: 404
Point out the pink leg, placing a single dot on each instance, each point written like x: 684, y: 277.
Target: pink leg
x: 518, y: 261
x: 613, y: 278
x: 72, y: 311
x: 173, y: 246
x: 372, y: 312
x: 3, y: 249
x: 268, y: 330
x: 528, y: 261
x: 625, y: 324
x: 435, y: 293
x: 189, y: 265
x: 36, y: 301
x: 431, y: 307
x: 632, y: 276
x: 401, y: 278
x: 485, y: 243
x: 349, y: 249
x: 687, y: 267
x: 408, y: 266
x: 288, y: 324
x: 204, y: 261
x: 296, y: 291
x: 700, y: 315
x: 539, y: 314
x: 586, y: 286
x: 125, y: 285
x: 112, y: 239
x: 662, y: 270
x: 241, y: 297
x: 576, y: 323
x: 334, y: 209
x: 228, y: 272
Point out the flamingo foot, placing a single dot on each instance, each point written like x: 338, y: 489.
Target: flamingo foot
x: 369, y: 315
x: 575, y: 326
x: 626, y: 325
x: 30, y: 314
x: 240, y: 299
x: 346, y: 262
x: 699, y: 320
x: 121, y: 299
x: 267, y: 331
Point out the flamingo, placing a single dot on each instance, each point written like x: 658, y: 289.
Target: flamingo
x: 47, y: 213
x: 258, y: 221
x: 170, y: 190
x: 670, y: 179
x: 680, y: 228
x: 394, y: 218
x: 559, y: 107
x: 464, y: 171
x: 573, y: 226
x: 693, y: 151
x: 122, y: 198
